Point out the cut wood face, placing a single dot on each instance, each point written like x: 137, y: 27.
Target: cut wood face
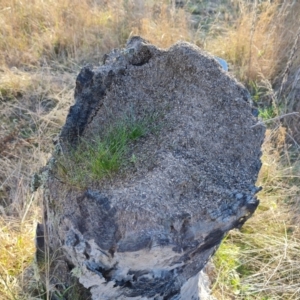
x: 147, y: 229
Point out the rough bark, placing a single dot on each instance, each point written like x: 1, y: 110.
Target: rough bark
x: 147, y: 231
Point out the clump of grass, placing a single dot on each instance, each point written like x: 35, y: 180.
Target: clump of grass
x: 14, y: 83
x: 264, y: 99
x: 226, y: 261
x: 105, y: 154
x: 16, y: 254
x: 267, y: 113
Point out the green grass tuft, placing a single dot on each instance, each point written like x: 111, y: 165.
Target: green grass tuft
x: 103, y: 156
x: 267, y: 113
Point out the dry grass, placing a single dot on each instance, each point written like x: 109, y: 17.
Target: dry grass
x: 260, y: 42
x: 13, y: 83
x: 33, y: 108
x: 17, y: 250
x: 35, y: 32
x: 44, y: 43
x: 156, y: 29
x: 29, y: 123
x: 39, y: 32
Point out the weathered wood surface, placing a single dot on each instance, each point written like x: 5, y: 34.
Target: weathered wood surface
x: 147, y: 231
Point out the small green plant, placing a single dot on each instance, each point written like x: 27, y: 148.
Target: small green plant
x: 256, y: 91
x: 104, y: 155
x: 227, y: 262
x: 267, y: 113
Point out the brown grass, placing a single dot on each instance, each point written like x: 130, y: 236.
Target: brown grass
x: 31, y: 114
x: 41, y: 32
x: 260, y: 42
x: 156, y: 29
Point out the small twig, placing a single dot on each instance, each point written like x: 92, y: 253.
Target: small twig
x: 274, y: 119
